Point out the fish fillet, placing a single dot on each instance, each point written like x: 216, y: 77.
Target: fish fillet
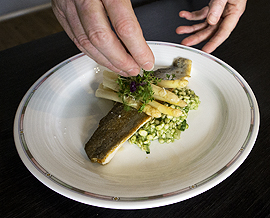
x: 180, y: 68
x: 114, y: 129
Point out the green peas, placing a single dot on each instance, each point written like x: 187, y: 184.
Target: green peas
x: 166, y: 129
x: 161, y: 141
x: 142, y: 132
x: 159, y: 127
x: 150, y: 137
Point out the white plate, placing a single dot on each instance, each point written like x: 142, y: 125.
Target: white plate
x: 59, y: 113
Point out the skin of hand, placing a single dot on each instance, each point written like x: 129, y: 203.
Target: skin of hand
x: 220, y: 18
x: 87, y: 23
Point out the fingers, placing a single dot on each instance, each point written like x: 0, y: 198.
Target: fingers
x: 216, y: 8
x: 223, y: 32
x: 94, y: 34
x: 195, y: 15
x: 62, y: 19
x: 200, y: 29
x: 128, y: 29
x: 87, y: 24
x: 191, y: 29
x: 199, y: 36
x: 69, y: 19
x: 231, y: 14
x: 221, y: 18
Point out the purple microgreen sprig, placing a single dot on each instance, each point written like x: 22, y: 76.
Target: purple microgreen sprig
x: 133, y: 86
x: 138, y: 87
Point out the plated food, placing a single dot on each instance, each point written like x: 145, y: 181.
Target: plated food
x: 60, y: 112
x: 150, y: 106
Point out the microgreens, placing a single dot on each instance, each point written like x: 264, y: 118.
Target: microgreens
x: 137, y: 87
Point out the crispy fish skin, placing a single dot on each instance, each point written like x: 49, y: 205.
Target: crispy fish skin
x: 113, y: 130
x: 180, y: 68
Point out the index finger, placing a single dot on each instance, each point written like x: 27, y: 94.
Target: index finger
x: 98, y: 34
x: 129, y: 31
x: 195, y: 15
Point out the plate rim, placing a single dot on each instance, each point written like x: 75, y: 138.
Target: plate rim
x: 135, y: 202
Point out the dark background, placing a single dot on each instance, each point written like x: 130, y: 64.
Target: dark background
x: 245, y: 193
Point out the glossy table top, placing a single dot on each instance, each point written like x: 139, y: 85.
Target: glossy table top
x: 244, y: 194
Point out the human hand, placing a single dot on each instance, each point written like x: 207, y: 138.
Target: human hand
x: 221, y: 17
x: 87, y: 24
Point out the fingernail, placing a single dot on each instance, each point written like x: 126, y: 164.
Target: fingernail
x: 148, y: 66
x: 122, y: 73
x: 133, y: 72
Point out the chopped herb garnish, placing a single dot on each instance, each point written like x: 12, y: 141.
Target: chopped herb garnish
x: 169, y: 76
x: 137, y: 87
x: 184, y: 126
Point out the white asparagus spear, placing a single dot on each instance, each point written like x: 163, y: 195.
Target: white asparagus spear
x: 102, y: 92
x: 161, y: 94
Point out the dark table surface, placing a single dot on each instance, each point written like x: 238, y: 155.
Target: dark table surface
x: 246, y: 193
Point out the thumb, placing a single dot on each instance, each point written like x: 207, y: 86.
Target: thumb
x: 216, y: 8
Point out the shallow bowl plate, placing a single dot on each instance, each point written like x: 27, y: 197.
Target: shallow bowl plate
x: 60, y: 112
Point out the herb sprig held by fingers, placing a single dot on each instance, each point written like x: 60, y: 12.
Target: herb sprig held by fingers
x: 137, y: 87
